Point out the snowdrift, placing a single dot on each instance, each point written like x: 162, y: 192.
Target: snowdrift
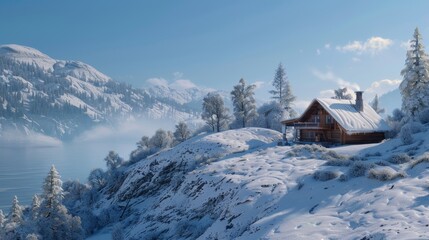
x: 239, y: 185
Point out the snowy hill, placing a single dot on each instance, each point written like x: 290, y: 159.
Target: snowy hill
x: 239, y: 185
x: 390, y: 101
x: 63, y: 98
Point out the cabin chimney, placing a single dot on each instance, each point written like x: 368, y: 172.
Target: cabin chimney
x: 359, y: 101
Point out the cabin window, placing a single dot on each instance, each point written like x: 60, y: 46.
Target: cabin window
x: 317, y: 119
x: 329, y: 119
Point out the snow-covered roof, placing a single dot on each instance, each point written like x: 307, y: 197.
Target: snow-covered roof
x: 353, y: 121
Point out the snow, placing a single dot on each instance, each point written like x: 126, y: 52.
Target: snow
x: 238, y: 184
x: 27, y: 55
x: 353, y: 121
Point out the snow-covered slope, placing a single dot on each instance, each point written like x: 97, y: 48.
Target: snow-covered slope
x: 62, y: 98
x: 239, y: 185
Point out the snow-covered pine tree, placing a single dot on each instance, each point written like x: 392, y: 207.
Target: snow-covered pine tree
x: 182, y: 132
x: 15, y: 212
x: 282, y: 91
x: 415, y: 84
x: 2, y: 219
x: 35, y: 207
x: 375, y: 105
x: 54, y: 222
x: 215, y: 113
x: 244, y: 103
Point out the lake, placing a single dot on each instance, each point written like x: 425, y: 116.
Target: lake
x: 23, y: 169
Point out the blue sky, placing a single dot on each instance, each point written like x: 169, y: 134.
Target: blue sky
x: 323, y: 44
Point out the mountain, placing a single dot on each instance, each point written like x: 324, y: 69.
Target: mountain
x: 63, y: 98
x: 239, y: 184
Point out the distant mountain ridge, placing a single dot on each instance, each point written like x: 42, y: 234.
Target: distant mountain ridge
x: 63, y: 98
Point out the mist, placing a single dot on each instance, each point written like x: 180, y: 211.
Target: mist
x: 18, y: 139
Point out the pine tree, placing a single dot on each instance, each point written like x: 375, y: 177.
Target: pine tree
x: 35, y: 207
x: 54, y: 222
x: 282, y: 91
x: 375, y: 105
x: 2, y: 219
x: 215, y: 113
x: 15, y: 212
x: 244, y: 103
x: 415, y: 85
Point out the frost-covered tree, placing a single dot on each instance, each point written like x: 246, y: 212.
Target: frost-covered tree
x: 182, y: 132
x: 270, y: 116
x: 2, y: 219
x: 13, y: 226
x: 35, y: 207
x: 161, y: 139
x: 16, y: 212
x: 342, y: 93
x: 375, y: 105
x: 282, y: 91
x: 244, y: 103
x: 113, y: 160
x: 143, y: 143
x: 215, y: 113
x: 97, y: 178
x: 54, y: 222
x: 415, y: 84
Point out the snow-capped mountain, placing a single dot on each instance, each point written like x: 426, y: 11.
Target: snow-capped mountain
x: 62, y: 98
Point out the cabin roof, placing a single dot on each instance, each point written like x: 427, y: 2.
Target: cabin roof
x: 350, y: 119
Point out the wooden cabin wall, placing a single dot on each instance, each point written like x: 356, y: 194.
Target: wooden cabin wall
x: 364, y: 138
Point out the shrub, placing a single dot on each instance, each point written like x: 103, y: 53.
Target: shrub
x: 405, y: 135
x: 399, y: 158
x: 384, y: 174
x: 338, y: 162
x: 359, y: 168
x: 325, y: 175
x: 343, y: 178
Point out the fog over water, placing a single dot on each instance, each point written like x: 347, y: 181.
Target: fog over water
x: 25, y: 160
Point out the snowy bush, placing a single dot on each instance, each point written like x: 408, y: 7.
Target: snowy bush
x: 422, y: 159
x: 343, y: 178
x: 424, y: 116
x: 384, y: 174
x: 314, y: 151
x: 359, y: 168
x: 399, y: 158
x: 325, y: 175
x: 405, y: 135
x: 339, y: 162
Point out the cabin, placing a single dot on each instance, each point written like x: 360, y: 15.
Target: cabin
x: 338, y: 121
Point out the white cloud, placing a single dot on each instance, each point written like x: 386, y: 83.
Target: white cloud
x: 182, y: 84
x: 372, y: 45
x: 330, y: 76
x: 381, y: 87
x: 327, y: 46
x: 318, y: 51
x: 355, y: 59
x: 259, y: 84
x: 157, y: 82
